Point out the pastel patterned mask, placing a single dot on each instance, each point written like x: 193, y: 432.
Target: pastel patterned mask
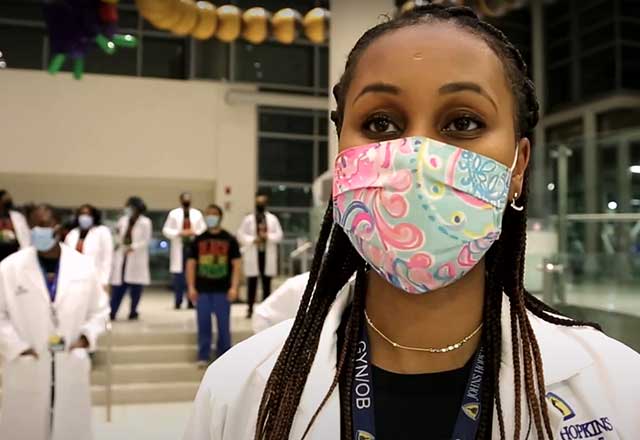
x: 422, y: 213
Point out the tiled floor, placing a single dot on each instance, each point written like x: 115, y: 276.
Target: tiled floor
x: 165, y: 421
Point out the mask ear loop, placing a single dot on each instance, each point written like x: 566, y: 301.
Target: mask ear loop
x: 512, y: 169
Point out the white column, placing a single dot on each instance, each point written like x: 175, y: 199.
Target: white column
x: 349, y: 20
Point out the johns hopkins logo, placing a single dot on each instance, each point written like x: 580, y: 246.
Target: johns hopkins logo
x: 472, y: 410
x: 364, y: 435
x: 561, y: 405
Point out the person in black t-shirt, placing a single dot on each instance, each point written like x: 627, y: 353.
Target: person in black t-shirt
x: 213, y: 275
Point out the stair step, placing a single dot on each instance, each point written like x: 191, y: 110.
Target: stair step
x: 148, y: 373
x: 146, y: 393
x: 142, y: 354
x: 121, y: 338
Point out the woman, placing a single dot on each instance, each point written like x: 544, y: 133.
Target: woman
x: 131, y: 259
x: 90, y: 237
x: 437, y: 338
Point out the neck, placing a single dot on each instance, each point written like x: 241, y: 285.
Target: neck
x: 435, y: 320
x: 215, y: 230
x: 52, y: 253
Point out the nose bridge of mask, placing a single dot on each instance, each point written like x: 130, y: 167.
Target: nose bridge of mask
x: 382, y: 164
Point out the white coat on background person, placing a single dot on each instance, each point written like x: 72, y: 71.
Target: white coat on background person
x: 281, y: 305
x: 98, y: 245
x: 172, y: 229
x: 21, y: 228
x: 247, y: 235
x: 595, y: 377
x: 26, y: 323
x: 137, y: 267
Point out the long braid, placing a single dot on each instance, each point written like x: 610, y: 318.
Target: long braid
x: 504, y: 273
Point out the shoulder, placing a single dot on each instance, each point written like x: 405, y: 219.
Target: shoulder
x: 174, y: 211
x: 145, y: 220
x: 103, y: 229
x: 18, y: 260
x: 245, y: 367
x: 17, y: 215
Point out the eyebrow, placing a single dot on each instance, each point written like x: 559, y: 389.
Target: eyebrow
x: 378, y: 88
x: 466, y: 87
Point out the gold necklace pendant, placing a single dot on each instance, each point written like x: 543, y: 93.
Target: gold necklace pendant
x: 447, y: 349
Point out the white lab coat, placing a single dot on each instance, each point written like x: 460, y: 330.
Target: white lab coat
x: 137, y: 267
x: 21, y: 228
x: 98, y: 244
x: 247, y: 235
x: 173, y: 227
x: 281, y: 305
x: 25, y: 322
x: 595, y: 375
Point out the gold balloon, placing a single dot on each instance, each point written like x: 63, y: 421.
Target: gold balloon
x: 286, y: 25
x: 207, y: 21
x: 155, y: 9
x: 316, y: 25
x: 407, y: 6
x: 169, y: 18
x: 188, y: 19
x: 255, y: 25
x: 229, y: 23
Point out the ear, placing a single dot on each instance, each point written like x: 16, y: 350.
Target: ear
x: 517, y: 177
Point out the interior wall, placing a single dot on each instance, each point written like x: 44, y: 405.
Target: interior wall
x: 105, y: 137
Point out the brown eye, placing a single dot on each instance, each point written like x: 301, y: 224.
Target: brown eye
x: 465, y: 123
x: 381, y: 125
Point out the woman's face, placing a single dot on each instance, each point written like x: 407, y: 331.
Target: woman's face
x: 85, y: 211
x: 439, y: 81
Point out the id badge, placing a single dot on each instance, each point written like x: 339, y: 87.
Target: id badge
x: 56, y: 343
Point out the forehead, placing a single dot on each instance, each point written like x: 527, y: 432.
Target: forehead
x: 427, y: 55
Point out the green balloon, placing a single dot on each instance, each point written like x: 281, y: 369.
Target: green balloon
x: 125, y: 40
x: 105, y: 44
x: 78, y: 68
x: 56, y: 63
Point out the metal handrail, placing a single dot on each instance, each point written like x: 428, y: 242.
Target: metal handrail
x: 304, y: 247
x: 301, y: 253
x: 108, y: 379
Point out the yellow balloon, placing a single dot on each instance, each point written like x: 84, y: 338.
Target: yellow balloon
x: 255, y: 25
x: 207, y: 21
x: 169, y: 18
x: 286, y: 25
x: 155, y: 9
x: 188, y: 19
x: 316, y: 25
x: 229, y: 23
x: 407, y: 6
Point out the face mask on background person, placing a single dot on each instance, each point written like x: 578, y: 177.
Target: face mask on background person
x: 260, y: 208
x: 128, y: 211
x: 85, y: 221
x: 213, y: 221
x: 43, y: 238
x: 422, y: 213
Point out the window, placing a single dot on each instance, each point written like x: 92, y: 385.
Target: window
x: 123, y: 62
x: 211, y: 59
x: 164, y: 57
x: 22, y: 10
x: 275, y: 64
x: 598, y: 72
x: 292, y: 152
x: 631, y: 67
x: 22, y: 47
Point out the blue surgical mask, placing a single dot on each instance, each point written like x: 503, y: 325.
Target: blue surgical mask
x: 128, y: 211
x: 85, y: 221
x: 43, y: 239
x: 212, y: 221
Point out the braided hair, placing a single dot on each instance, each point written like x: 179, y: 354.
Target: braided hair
x: 330, y: 270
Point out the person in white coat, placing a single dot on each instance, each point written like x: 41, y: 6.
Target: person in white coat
x: 14, y: 232
x: 259, y: 236
x: 437, y: 337
x: 52, y: 310
x: 183, y: 224
x: 131, y: 259
x: 90, y: 237
x: 281, y: 305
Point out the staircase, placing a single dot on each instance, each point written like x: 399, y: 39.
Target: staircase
x: 154, y: 363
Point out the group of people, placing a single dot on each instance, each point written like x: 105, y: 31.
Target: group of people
x: 54, y: 296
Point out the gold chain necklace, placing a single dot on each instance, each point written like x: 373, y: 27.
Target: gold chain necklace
x: 455, y: 346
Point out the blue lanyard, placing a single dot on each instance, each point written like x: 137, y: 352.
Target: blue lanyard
x: 362, y: 406
x: 52, y: 284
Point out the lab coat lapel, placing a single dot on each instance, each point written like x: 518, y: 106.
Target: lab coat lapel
x: 36, y: 277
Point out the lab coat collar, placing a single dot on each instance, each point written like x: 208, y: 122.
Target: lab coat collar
x: 561, y: 356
